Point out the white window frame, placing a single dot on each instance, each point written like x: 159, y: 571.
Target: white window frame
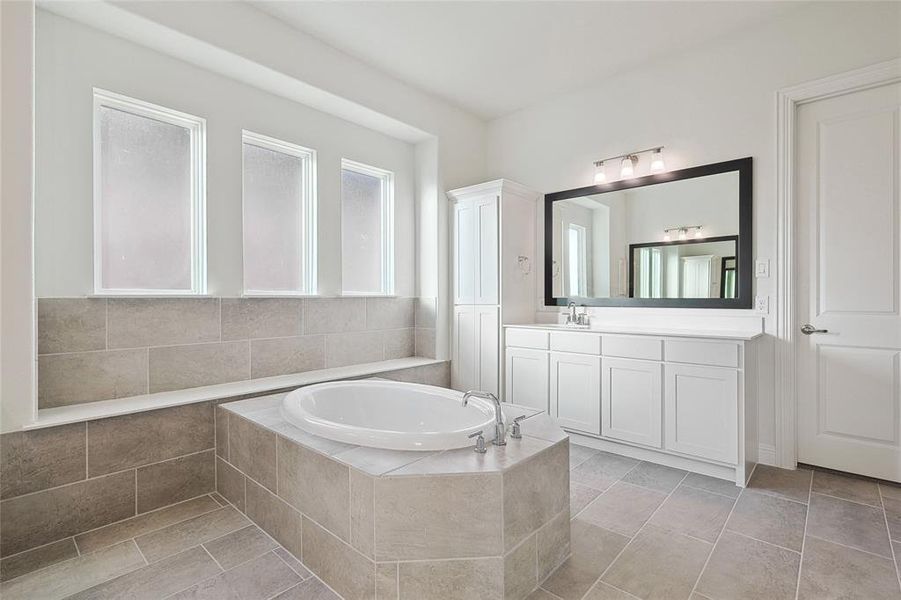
x: 309, y: 211
x: 387, y: 225
x: 197, y: 128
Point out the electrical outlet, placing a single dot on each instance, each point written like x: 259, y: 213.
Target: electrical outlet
x: 762, y: 304
x: 762, y: 268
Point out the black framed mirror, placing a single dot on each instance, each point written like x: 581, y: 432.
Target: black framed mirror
x: 677, y: 239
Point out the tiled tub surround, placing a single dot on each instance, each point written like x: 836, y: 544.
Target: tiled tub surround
x: 92, y: 349
x: 401, y: 525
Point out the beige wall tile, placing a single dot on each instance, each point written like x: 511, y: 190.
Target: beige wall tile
x: 71, y: 324
x: 479, y: 579
x: 251, y: 318
x: 176, y: 480
x: 344, y: 569
x: 179, y: 537
x: 329, y: 315
x: 463, y: 520
x: 32, y: 560
x: 389, y: 313
x: 114, y: 533
x: 362, y: 527
x: 41, y: 459
x: 221, y: 416
x: 251, y: 450
x: 437, y: 374
x: 240, y: 546
x: 143, y: 438
x: 553, y: 544
x: 399, y: 343
x: 49, y: 515
x: 72, y: 576
x: 342, y: 349
x: 275, y: 516
x: 65, y: 379
x: 287, y: 355
x: 386, y: 581
x: 425, y: 342
x: 182, y: 367
x: 230, y: 483
x: 426, y: 312
x: 138, y: 322
x: 520, y: 570
x: 535, y: 491
x: 315, y: 485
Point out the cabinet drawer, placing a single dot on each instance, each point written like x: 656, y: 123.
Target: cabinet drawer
x: 568, y: 341
x: 527, y: 338
x: 633, y: 347
x: 717, y: 354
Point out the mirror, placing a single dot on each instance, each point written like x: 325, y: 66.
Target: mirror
x: 675, y: 239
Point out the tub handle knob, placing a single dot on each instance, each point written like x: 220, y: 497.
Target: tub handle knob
x: 480, y: 441
x: 516, y: 430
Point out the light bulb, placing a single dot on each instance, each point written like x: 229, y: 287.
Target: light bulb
x: 627, y: 169
x: 698, y: 233
x: 683, y: 234
x: 600, y: 176
x: 667, y: 237
x: 657, y: 164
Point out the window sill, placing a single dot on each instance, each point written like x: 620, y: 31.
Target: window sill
x: 90, y: 411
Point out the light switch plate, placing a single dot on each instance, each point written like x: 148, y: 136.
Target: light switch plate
x: 762, y: 268
x: 762, y: 304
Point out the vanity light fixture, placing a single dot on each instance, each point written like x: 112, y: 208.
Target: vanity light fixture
x: 683, y: 232
x: 628, y: 162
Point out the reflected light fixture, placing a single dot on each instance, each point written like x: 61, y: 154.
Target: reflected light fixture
x: 657, y: 164
x: 627, y: 169
x: 683, y: 233
x: 667, y: 237
x: 600, y: 175
x: 698, y: 233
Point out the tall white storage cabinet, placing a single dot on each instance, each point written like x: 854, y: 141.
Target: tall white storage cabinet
x: 493, y: 277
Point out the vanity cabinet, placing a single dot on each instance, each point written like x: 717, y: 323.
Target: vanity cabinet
x: 685, y: 401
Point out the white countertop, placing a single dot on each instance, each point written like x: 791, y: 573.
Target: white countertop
x: 724, y: 334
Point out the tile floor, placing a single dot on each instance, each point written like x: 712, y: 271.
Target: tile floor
x: 639, y: 530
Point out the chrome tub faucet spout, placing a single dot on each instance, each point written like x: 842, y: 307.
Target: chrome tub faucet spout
x: 500, y: 427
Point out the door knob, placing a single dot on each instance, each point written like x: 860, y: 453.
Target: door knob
x: 808, y: 329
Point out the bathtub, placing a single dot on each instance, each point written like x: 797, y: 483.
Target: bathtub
x: 389, y: 414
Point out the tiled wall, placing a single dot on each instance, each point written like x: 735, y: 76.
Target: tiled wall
x: 98, y: 349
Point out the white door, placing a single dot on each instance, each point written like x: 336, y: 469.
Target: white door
x: 464, y: 373
x: 631, y: 400
x: 700, y: 404
x: 487, y: 349
x: 575, y: 385
x: 486, y: 246
x: 696, y: 276
x: 464, y: 252
x: 527, y: 378
x: 849, y: 394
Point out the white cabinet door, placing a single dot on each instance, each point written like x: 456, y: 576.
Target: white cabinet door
x: 575, y: 385
x: 487, y: 349
x: 701, y: 411
x: 464, y: 375
x: 464, y: 252
x: 486, y: 246
x: 631, y: 401
x: 526, y: 382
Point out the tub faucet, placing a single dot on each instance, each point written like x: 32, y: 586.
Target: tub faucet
x: 500, y: 428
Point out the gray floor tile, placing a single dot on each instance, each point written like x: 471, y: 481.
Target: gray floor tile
x: 769, y: 518
x: 659, y: 565
x: 781, y: 482
x: 848, y: 523
x: 579, y: 454
x: 580, y: 496
x: 239, y: 546
x: 889, y: 490
x: 745, y: 569
x: 602, y: 470
x: 258, y: 579
x: 603, y: 591
x: 593, y: 549
x: 311, y: 589
x: 292, y: 562
x: 540, y: 594
x: 181, y: 536
x: 712, y: 484
x: 656, y: 477
x: 832, y: 571
x: 849, y: 488
x: 624, y: 508
x: 892, y: 508
x: 694, y: 512
x: 37, y: 558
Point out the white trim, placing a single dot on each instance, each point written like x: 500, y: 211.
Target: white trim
x: 387, y: 226
x: 197, y: 128
x: 309, y: 209
x: 787, y: 102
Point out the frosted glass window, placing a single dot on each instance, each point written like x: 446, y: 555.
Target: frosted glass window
x: 148, y: 200
x: 367, y: 257
x: 279, y: 217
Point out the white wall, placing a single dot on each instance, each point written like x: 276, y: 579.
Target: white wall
x: 72, y: 58
x: 710, y: 104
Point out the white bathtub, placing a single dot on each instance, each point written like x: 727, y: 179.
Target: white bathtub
x: 389, y: 414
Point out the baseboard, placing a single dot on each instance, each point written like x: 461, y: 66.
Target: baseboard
x: 766, y: 455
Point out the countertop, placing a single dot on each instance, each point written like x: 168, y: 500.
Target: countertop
x: 724, y: 334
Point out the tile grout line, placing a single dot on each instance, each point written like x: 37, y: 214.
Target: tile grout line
x: 858, y: 502
x: 719, y: 536
x: 804, y: 537
x: 134, y: 540
x: 822, y: 539
x: 744, y: 535
x: 891, y: 544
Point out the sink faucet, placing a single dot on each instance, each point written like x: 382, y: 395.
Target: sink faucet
x: 500, y: 428
x: 572, y: 318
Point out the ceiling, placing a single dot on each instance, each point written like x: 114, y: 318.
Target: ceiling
x: 493, y: 58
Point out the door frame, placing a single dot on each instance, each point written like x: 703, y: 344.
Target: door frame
x: 788, y: 100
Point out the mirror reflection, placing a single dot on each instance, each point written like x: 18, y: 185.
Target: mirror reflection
x: 677, y: 239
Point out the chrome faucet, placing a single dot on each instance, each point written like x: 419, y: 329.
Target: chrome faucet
x: 572, y: 318
x: 500, y: 427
